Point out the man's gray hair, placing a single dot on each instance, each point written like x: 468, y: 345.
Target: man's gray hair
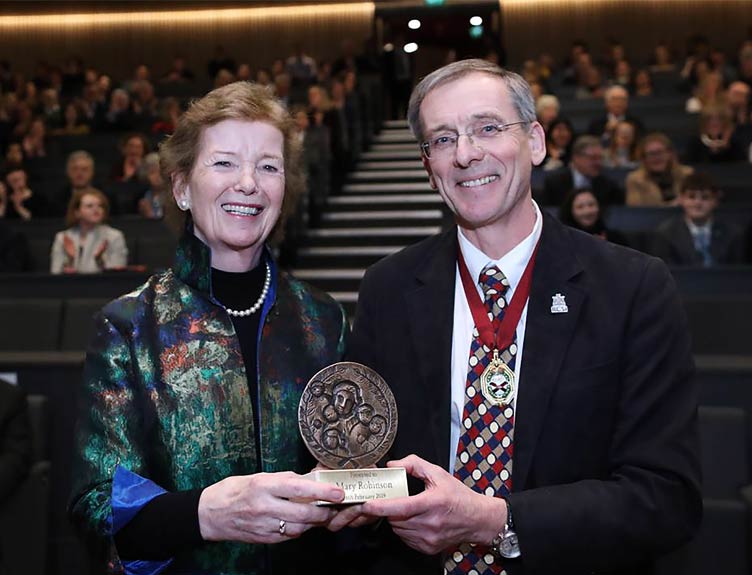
x: 583, y: 143
x: 79, y: 155
x: 522, y: 98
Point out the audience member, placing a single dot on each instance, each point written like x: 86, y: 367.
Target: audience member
x: 118, y: 116
x: 696, y: 237
x: 738, y: 102
x: 709, y: 93
x: 622, y: 151
x: 169, y: 113
x: 15, y: 439
x: 152, y: 204
x: 659, y: 179
x: 559, y: 139
x: 22, y: 203
x: 73, y: 122
x: 133, y: 148
x: 582, y: 211
x: 179, y: 72
x: 642, y: 84
x: 714, y: 143
x: 80, y: 172
x: 617, y: 110
x: 34, y: 142
x: 88, y: 245
x: 662, y: 60
x: 584, y: 172
x: 220, y: 61
x: 547, y: 109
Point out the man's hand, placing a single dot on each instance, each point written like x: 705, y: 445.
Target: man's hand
x: 447, y: 513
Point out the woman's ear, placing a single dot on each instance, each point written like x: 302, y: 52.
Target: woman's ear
x: 181, y: 192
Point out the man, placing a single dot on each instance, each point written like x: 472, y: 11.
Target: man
x: 80, y: 172
x: 696, y: 237
x: 616, y: 100
x: 590, y: 440
x: 584, y: 171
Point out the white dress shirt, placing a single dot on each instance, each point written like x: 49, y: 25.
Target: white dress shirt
x: 512, y: 265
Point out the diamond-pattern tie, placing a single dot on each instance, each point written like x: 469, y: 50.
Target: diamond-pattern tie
x: 484, y: 452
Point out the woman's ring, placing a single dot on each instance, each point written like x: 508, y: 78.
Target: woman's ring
x: 282, y: 526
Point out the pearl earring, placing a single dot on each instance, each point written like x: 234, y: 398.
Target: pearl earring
x: 183, y: 204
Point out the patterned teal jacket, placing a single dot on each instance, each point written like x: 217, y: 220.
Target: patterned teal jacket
x: 166, y: 397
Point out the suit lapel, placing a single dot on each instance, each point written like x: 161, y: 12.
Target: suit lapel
x: 547, y: 337
x: 431, y: 309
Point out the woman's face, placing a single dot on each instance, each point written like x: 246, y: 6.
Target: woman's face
x: 585, y: 209
x: 235, y: 190
x: 561, y: 135
x: 657, y: 157
x: 91, y: 210
x: 134, y: 148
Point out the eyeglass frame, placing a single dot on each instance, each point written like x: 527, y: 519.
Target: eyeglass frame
x: 426, y: 145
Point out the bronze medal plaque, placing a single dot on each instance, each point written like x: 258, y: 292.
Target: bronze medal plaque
x: 347, y: 416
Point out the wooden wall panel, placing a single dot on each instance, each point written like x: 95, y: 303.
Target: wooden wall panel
x: 534, y: 26
x: 117, y: 42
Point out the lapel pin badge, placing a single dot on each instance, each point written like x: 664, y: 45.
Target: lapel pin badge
x: 559, y: 304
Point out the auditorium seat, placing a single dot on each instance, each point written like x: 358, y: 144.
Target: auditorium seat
x: 24, y: 518
x: 77, y: 322
x: 720, y: 324
x: 30, y: 324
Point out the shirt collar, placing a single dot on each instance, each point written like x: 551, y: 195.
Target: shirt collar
x: 512, y: 264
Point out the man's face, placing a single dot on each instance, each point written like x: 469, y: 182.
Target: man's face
x: 698, y: 205
x: 617, y: 101
x: 483, y: 183
x: 80, y: 172
x: 589, y: 162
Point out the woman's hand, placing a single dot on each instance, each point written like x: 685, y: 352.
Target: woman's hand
x: 259, y: 508
x: 70, y: 247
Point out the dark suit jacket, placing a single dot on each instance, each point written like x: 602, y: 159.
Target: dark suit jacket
x: 674, y: 244
x: 15, y: 439
x: 606, y: 471
x: 598, y: 126
x: 559, y: 183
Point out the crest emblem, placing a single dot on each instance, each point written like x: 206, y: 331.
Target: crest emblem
x: 558, y: 304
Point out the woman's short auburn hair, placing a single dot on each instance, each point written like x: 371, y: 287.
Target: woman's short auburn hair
x: 71, y: 219
x: 237, y: 101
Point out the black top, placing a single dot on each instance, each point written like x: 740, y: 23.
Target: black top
x: 169, y: 524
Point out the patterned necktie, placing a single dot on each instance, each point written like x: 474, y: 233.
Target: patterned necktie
x: 484, y: 452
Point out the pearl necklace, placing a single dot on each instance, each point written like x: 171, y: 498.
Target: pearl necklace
x: 259, y: 302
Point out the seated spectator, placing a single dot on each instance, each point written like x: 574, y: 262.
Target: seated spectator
x: 709, y: 93
x: 622, y: 152
x: 223, y: 78
x: 547, y: 110
x: 738, y: 102
x: 169, y: 113
x: 714, y: 143
x: 584, y: 172
x: 118, y: 116
x: 34, y: 142
x: 662, y: 61
x: 80, y: 172
x: 616, y: 101
x: 642, y: 85
x: 14, y: 156
x: 15, y: 439
x: 73, y: 122
x: 582, y: 211
x: 88, y: 245
x: 179, y: 72
x: 145, y: 105
x: 659, y: 179
x: 696, y: 238
x: 244, y: 73
x: 51, y: 112
x: 15, y: 255
x: 591, y: 84
x: 282, y: 88
x: 622, y: 74
x: 152, y: 204
x: 559, y: 139
x: 133, y: 148
x: 21, y: 202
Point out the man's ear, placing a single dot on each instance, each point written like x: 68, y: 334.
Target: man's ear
x: 537, y: 143
x: 429, y: 171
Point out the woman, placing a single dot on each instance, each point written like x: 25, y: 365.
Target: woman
x: 88, y: 245
x: 658, y: 180
x: 582, y: 211
x: 715, y: 142
x: 192, y: 382
x: 152, y: 204
x: 559, y: 140
x: 622, y: 151
x: 22, y: 203
x: 133, y: 148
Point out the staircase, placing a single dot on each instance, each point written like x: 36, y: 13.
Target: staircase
x: 385, y: 205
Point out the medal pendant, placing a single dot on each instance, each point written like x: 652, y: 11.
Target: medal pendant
x: 497, y: 382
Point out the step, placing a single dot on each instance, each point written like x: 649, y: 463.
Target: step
x: 375, y: 232
x: 387, y: 156
x: 387, y: 165
x: 383, y: 215
x: 367, y: 200
x: 385, y: 176
x: 349, y: 301
x: 395, y: 125
x: 343, y: 256
x: 386, y: 188
x: 331, y: 279
x: 397, y: 147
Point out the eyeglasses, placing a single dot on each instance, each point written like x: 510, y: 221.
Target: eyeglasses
x: 480, y: 135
